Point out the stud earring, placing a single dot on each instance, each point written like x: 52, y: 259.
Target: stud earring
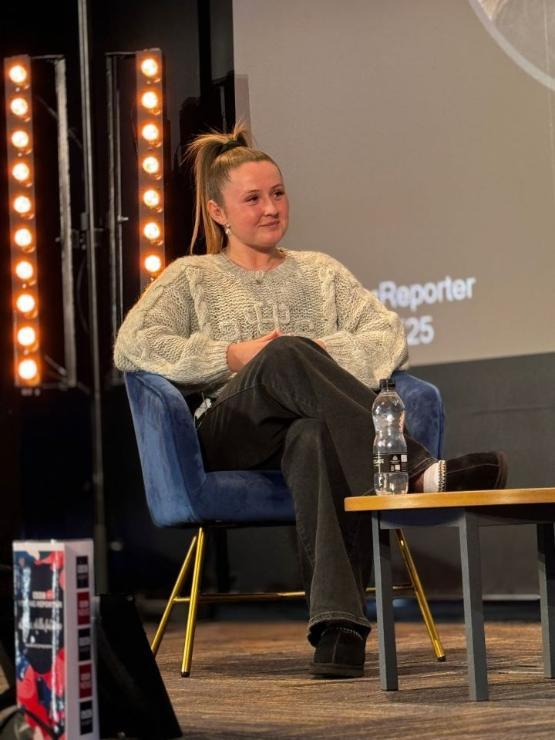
x: 227, y: 229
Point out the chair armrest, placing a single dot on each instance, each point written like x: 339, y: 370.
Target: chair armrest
x: 169, y: 450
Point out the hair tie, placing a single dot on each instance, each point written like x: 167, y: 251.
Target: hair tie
x: 231, y: 144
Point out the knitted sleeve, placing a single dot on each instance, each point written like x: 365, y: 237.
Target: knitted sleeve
x: 370, y: 340
x: 163, y: 334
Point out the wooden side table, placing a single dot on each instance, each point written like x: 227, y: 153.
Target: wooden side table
x: 468, y: 511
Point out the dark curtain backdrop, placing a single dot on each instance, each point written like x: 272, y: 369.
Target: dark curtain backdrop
x: 45, y: 437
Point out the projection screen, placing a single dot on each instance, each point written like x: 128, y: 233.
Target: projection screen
x: 419, y: 153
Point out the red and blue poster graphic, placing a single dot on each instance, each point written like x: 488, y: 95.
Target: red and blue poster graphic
x: 39, y: 586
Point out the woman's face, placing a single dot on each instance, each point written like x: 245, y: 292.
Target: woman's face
x: 255, y: 206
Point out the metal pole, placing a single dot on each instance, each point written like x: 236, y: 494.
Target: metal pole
x: 115, y: 217
x: 101, y: 555
x: 120, y: 218
x: 65, y: 225
x: 112, y: 208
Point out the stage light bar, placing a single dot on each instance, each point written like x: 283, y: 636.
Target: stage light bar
x: 150, y: 134
x: 21, y: 207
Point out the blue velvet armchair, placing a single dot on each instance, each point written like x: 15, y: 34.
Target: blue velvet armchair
x: 180, y: 493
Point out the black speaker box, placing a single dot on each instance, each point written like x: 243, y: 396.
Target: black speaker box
x: 133, y: 701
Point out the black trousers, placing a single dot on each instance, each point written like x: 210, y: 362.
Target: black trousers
x: 292, y: 407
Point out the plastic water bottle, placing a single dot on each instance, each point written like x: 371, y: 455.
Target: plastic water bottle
x: 390, y: 448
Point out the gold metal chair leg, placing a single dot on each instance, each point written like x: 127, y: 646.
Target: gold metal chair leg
x: 174, y: 595
x: 420, y: 596
x: 193, y: 605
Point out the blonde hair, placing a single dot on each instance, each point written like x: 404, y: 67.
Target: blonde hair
x: 214, y: 155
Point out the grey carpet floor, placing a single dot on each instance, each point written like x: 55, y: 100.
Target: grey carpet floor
x: 250, y: 680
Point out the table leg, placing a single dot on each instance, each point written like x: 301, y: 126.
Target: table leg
x: 546, y: 568
x: 384, y: 605
x: 469, y: 535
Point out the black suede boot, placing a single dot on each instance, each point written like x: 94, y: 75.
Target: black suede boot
x: 339, y: 653
x: 477, y: 471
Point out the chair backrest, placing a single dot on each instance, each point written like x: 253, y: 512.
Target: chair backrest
x: 179, y: 490
x: 424, y: 412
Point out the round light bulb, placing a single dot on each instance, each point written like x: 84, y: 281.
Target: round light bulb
x: 25, y: 303
x: 20, y: 139
x: 19, y: 107
x: 153, y: 263
x: 26, y: 336
x: 18, y: 74
x: 150, y: 132
x: 149, y: 100
x: 151, y: 165
x: 24, y: 270
x: 21, y: 171
x: 149, y: 67
x: 27, y: 369
x: 22, y: 204
x: 151, y: 198
x: 23, y: 238
x: 152, y: 230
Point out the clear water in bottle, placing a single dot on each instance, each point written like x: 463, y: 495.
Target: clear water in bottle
x: 390, y: 447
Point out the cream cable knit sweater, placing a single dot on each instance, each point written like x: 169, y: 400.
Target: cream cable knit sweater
x: 181, y: 326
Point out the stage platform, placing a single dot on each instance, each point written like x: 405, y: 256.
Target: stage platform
x: 250, y: 680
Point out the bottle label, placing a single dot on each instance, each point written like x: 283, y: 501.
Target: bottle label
x: 390, y: 463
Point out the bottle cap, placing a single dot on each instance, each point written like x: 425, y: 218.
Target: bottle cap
x: 387, y: 384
